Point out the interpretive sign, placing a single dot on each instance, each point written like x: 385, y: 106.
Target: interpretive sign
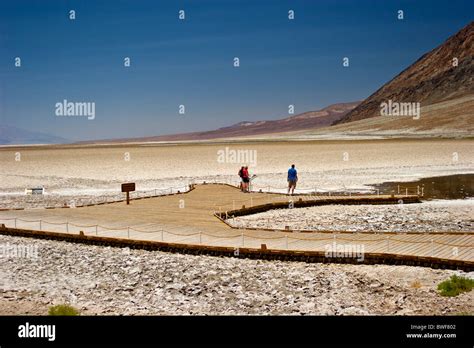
x: 128, y: 187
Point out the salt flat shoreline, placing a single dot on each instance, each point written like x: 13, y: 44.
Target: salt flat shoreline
x: 109, y: 281
x: 325, y: 139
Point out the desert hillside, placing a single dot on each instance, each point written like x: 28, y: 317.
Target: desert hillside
x: 450, y: 118
x: 445, y: 73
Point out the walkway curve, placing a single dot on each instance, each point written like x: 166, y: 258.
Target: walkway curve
x: 190, y: 219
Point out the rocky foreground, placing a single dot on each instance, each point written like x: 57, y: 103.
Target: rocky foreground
x: 431, y: 216
x: 112, y: 281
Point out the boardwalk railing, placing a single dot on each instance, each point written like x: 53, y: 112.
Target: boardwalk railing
x: 116, y: 198
x: 158, y: 192
x: 315, y: 190
x: 271, y: 190
x: 245, y: 205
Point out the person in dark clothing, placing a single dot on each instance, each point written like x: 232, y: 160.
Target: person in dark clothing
x: 241, y: 175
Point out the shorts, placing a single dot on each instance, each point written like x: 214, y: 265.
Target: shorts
x: 246, y: 180
x: 291, y: 183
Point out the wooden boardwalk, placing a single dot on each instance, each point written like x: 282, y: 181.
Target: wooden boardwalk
x: 190, y: 218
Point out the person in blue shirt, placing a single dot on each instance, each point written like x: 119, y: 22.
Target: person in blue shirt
x: 292, y: 179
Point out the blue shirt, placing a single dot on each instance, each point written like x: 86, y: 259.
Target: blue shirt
x: 292, y: 174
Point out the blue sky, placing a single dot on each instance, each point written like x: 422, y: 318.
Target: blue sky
x: 190, y: 62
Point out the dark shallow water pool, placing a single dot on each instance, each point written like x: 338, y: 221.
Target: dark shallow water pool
x: 458, y: 186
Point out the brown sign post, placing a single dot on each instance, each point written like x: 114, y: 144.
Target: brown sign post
x: 128, y: 187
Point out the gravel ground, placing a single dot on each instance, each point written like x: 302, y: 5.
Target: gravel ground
x: 432, y: 216
x: 110, y: 281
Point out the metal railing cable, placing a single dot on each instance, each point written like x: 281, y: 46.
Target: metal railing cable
x: 331, y: 237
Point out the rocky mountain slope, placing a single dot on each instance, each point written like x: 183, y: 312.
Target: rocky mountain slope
x: 443, y: 74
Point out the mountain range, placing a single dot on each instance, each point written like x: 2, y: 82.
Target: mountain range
x: 312, y: 119
x: 10, y: 135
x: 441, y: 81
